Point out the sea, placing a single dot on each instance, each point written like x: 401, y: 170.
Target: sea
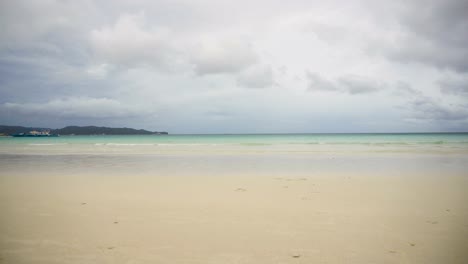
x: 233, y: 154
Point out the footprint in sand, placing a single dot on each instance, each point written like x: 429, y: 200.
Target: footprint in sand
x: 116, y: 222
x: 412, y: 244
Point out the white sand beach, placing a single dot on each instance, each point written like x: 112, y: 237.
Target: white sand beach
x: 343, y: 218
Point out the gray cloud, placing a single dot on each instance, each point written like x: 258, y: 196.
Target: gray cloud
x: 25, y: 22
x: 432, y: 33
x: 75, y: 107
x: 259, y: 76
x: 404, y: 89
x: 320, y: 83
x: 426, y: 108
x: 329, y: 33
x: 351, y: 84
x: 122, y: 62
x: 457, y: 86
x: 223, y: 56
x: 359, y: 85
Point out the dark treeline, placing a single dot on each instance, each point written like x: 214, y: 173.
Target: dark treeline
x: 78, y: 130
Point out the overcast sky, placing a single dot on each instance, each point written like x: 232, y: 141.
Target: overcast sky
x: 219, y: 66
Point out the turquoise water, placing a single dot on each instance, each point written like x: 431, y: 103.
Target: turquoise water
x: 272, y: 154
x: 250, y: 139
x: 246, y: 143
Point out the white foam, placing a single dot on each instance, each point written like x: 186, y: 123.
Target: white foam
x: 128, y: 144
x: 189, y: 144
x: 47, y: 144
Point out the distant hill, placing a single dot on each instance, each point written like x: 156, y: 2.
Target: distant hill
x: 77, y: 130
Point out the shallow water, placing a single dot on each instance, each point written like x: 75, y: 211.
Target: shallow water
x: 456, y: 142
x: 251, y: 139
x: 304, y: 154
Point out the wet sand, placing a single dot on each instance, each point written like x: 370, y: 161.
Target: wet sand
x: 309, y: 218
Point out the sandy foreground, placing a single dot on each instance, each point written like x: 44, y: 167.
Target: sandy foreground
x: 233, y: 219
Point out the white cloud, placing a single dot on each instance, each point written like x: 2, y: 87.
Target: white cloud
x: 259, y: 76
x: 228, y: 55
x: 129, y: 43
x: 99, y: 71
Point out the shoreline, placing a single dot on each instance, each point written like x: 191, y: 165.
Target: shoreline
x: 298, y: 203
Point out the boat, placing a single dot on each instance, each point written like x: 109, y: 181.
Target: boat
x: 35, y: 133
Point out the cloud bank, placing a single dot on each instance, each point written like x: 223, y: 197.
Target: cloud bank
x: 219, y: 67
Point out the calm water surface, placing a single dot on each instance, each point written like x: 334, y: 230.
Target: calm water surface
x: 234, y: 154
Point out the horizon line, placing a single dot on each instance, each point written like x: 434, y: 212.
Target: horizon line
x: 262, y: 133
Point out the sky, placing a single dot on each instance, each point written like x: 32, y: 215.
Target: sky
x: 218, y: 66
